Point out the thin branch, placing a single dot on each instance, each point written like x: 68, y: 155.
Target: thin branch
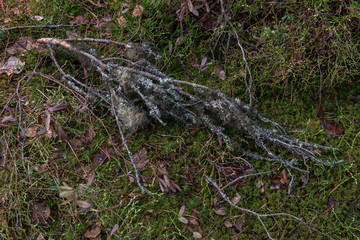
x: 37, y: 26
x: 259, y: 216
x: 249, y: 84
x: 137, y: 174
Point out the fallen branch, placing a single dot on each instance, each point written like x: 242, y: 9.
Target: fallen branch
x: 164, y: 99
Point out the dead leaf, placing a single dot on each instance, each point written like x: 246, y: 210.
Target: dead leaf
x: 227, y: 224
x: 197, y: 235
x: 38, y: 18
x: 101, y: 155
x: 15, y: 11
x: 62, y: 134
x: 182, y: 210
x: 31, y: 131
x: 8, y: 119
x: 22, y: 45
x: 58, y: 107
x: 79, y: 20
x: 66, y: 191
x: 260, y: 184
x: 283, y: 177
x: 41, y: 214
x: 331, y: 128
x: 93, y: 231
x: 114, y: 229
x: 13, y: 65
x: 121, y: 20
x: 194, y: 222
x: 278, y: 182
x: 138, y: 10
x: 91, y: 179
x: 236, y: 199
x: 84, y: 205
x: 125, y: 8
x: 238, y: 225
x: 47, y: 120
x: 218, y: 71
x: 140, y: 158
x: 192, y: 9
x: 220, y: 210
x: 183, y: 220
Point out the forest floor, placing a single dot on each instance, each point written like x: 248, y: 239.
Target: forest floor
x: 65, y: 174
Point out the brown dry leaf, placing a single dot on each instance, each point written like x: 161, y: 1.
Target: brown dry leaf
x: 38, y: 18
x: 331, y: 128
x: 238, y: 225
x: 220, y: 210
x: 15, y: 11
x: 194, y: 221
x: 283, y: 177
x: 163, y: 186
x: 192, y: 9
x: 236, y: 199
x: 168, y: 185
x: 66, y: 191
x: 121, y: 20
x: 84, y: 205
x: 93, y: 231
x: 197, y: 235
x: 140, y: 158
x: 62, y: 134
x: 227, y: 224
x: 22, y: 45
x: 79, y: 20
x: 47, y: 120
x: 260, y: 184
x: 138, y: 10
x: 218, y: 71
x: 13, y: 65
x: 91, y: 179
x: 58, y: 107
x: 183, y: 220
x: 278, y: 182
x: 89, y: 135
x: 41, y: 213
x: 114, y: 229
x: 8, y: 119
x: 182, y: 210
x: 102, y: 154
x: 31, y: 131
x: 125, y: 8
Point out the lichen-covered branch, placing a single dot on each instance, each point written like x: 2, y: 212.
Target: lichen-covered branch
x: 163, y: 99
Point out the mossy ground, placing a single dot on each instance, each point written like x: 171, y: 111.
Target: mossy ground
x: 300, y: 55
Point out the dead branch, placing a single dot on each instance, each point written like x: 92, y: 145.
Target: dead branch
x: 203, y: 106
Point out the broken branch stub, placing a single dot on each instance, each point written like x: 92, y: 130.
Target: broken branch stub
x: 163, y: 99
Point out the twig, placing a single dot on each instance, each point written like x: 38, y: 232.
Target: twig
x: 37, y: 26
x: 259, y: 216
x: 241, y: 177
x: 249, y: 84
x: 137, y: 174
